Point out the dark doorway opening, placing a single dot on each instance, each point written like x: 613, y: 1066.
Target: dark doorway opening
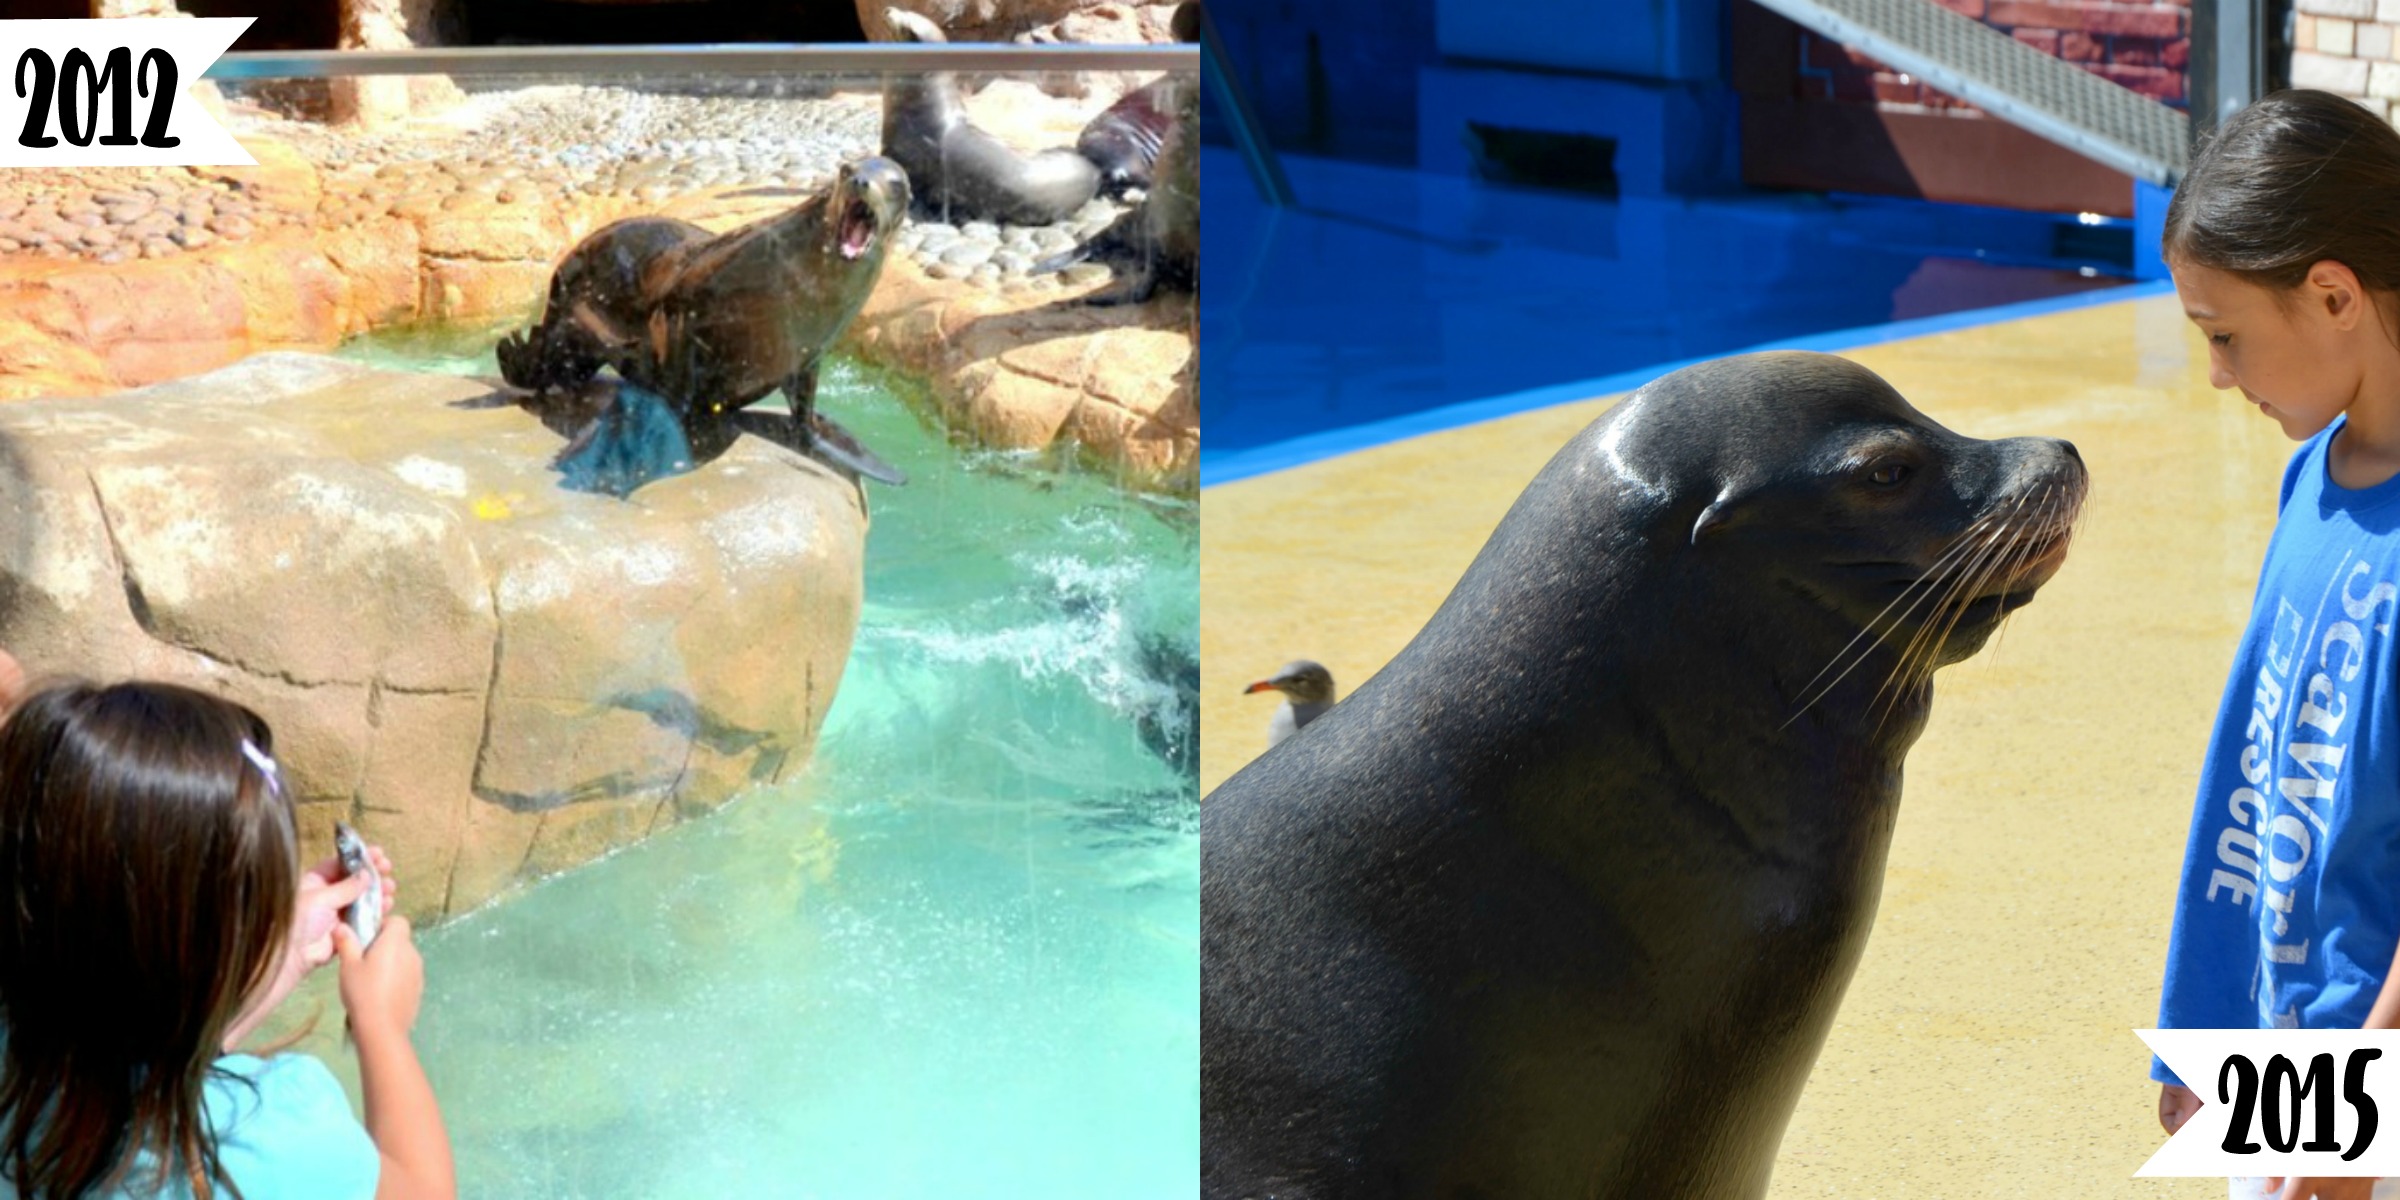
x: 316, y: 26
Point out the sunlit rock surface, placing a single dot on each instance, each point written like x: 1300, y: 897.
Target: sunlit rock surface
x: 496, y: 677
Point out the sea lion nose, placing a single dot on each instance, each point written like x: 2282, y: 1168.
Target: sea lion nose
x: 2069, y: 447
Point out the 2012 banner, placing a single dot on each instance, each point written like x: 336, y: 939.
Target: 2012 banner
x: 2322, y: 1103
x: 111, y: 93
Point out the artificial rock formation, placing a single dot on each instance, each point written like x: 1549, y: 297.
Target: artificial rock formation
x: 493, y: 676
x: 978, y: 20
x: 1121, y: 381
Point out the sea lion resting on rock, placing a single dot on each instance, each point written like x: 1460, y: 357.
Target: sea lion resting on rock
x: 1562, y: 902
x: 1157, y: 242
x: 1124, y: 140
x: 960, y: 172
x: 713, y: 322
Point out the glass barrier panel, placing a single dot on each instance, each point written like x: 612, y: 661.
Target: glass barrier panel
x: 724, y: 522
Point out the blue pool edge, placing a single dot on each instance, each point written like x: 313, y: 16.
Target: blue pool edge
x: 1281, y: 456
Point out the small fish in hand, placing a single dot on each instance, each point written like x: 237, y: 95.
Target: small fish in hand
x: 364, y: 915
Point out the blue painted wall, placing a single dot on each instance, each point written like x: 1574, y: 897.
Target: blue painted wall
x: 1331, y: 77
x: 1667, y: 40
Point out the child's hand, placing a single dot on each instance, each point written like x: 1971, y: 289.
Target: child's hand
x: 381, y: 986
x: 2323, y: 1189
x: 315, y: 912
x: 324, y: 892
x: 2176, y: 1104
x: 330, y: 871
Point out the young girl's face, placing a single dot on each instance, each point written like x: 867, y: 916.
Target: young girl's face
x: 2287, y: 357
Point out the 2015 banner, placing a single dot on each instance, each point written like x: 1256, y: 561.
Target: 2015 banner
x: 2277, y: 1102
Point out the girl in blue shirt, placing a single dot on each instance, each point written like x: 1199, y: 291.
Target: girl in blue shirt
x: 152, y: 912
x: 2284, y: 241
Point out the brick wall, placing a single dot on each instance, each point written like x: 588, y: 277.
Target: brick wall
x: 2140, y: 46
x: 2346, y: 47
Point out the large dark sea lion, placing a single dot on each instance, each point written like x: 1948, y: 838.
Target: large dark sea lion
x: 711, y: 323
x: 1155, y: 243
x: 1561, y: 903
x: 1124, y: 140
x: 960, y: 172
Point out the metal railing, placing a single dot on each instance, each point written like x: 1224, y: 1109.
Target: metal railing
x: 746, y: 59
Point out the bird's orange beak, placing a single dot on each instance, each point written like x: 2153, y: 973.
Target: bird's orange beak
x: 1263, y: 685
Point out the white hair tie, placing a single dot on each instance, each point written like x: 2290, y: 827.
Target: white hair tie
x: 266, y: 766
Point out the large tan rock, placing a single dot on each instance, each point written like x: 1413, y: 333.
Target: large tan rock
x: 491, y: 675
x: 285, y: 180
x: 1014, y: 368
x: 130, y: 324
x: 379, y: 258
x: 135, y: 8
x: 85, y: 327
x: 384, y: 101
x: 1108, y: 24
x: 1027, y: 20
x: 1030, y: 369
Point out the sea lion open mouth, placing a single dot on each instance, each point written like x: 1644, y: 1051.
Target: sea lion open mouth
x: 858, y: 229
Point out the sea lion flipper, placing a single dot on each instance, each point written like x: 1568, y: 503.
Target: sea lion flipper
x: 819, y: 436
x: 800, y: 388
x: 580, y: 442
x: 828, y: 442
x: 1141, y: 283
x: 1062, y: 260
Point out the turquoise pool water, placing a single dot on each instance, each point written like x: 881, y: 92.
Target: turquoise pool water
x: 958, y: 957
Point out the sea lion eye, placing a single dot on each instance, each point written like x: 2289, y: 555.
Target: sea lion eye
x: 1889, y: 475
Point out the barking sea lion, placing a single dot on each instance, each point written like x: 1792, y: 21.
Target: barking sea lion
x: 710, y: 323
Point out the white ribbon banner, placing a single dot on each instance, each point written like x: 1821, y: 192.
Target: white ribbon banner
x: 2280, y: 1102
x: 111, y: 93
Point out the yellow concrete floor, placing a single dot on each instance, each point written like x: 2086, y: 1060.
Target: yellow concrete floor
x: 1985, y: 1047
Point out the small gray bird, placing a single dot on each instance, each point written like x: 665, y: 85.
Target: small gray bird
x: 1307, y: 689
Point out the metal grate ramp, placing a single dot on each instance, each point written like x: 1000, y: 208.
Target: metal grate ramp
x: 2008, y: 79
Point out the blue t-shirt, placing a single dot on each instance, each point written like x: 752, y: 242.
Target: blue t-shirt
x: 2290, y: 903
x: 284, y: 1132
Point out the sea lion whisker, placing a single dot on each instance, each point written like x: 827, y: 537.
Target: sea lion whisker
x: 2010, y: 550
x: 1956, y: 548
x: 1918, y: 662
x: 1862, y: 656
x: 1931, y: 581
x: 2030, y: 545
x: 2047, y: 539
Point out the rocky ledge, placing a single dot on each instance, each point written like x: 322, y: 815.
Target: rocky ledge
x: 117, y: 279
x: 1118, y: 382
x: 495, y: 677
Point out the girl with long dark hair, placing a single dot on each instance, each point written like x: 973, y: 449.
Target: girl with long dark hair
x: 153, y: 911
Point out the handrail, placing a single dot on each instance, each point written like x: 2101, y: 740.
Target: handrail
x: 2012, y: 80
x: 761, y: 58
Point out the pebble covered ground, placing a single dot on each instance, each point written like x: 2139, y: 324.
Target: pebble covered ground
x: 541, y: 144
